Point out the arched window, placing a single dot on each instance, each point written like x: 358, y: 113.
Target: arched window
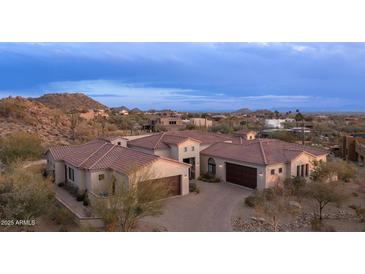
x: 211, y: 166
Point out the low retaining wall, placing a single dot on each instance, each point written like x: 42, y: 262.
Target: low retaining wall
x: 83, y: 220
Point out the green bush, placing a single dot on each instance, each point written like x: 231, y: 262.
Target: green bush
x: 72, y: 189
x: 20, y: 146
x: 193, y: 187
x: 319, y: 226
x: 253, y: 201
x: 61, y: 215
x: 210, y: 178
x: 361, y: 214
x: 86, y: 201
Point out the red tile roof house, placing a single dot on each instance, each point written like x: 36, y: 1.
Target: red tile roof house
x: 91, y: 166
x: 242, y: 160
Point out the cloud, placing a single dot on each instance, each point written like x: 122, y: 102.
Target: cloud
x: 115, y: 93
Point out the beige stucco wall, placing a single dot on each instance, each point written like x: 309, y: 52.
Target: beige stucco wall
x: 178, y: 153
x: 304, y: 159
x: 273, y: 180
x: 201, y: 122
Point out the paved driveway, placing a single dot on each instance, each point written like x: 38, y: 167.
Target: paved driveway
x: 210, y: 210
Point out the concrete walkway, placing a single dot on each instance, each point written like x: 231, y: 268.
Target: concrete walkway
x: 210, y: 210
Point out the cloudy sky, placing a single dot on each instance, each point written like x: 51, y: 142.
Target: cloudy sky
x: 192, y: 76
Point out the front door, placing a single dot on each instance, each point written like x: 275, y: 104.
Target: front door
x: 191, y: 161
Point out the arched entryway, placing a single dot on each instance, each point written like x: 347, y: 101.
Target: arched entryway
x: 211, y: 166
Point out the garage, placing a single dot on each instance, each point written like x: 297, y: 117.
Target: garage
x: 172, y: 184
x: 241, y: 175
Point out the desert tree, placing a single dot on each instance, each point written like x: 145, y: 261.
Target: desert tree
x: 327, y: 171
x: 131, y: 199
x: 323, y: 193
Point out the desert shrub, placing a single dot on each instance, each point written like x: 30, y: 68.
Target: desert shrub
x: 318, y: 226
x: 20, y: 146
x: 61, y: 215
x: 294, y: 186
x: 194, y: 188
x: 23, y: 195
x: 222, y: 128
x: 253, y: 200
x: 354, y: 207
x: 361, y: 214
x: 190, y: 127
x: 72, y: 189
x: 210, y: 178
x: 86, y: 200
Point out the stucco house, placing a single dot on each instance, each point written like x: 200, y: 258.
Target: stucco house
x: 201, y: 122
x: 240, y: 158
x: 91, y: 166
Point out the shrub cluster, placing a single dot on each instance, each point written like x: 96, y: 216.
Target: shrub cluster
x: 210, y: 178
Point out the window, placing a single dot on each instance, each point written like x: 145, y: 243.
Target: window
x: 273, y: 172
x: 119, y: 143
x: 101, y: 177
x: 302, y: 171
x: 185, y: 149
x: 281, y: 170
x: 71, y: 174
x: 211, y: 166
x: 192, y: 148
x: 172, y: 122
x: 298, y: 171
x: 306, y: 170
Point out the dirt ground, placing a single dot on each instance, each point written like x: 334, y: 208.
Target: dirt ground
x: 339, y: 218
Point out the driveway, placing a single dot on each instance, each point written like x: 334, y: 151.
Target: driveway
x: 210, y: 210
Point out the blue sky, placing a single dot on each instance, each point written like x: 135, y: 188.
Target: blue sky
x: 192, y: 76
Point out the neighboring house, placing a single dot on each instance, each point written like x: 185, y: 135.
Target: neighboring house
x: 259, y: 163
x: 201, y: 122
x: 246, y: 134
x: 353, y: 148
x: 91, y: 114
x: 93, y: 165
x: 275, y: 123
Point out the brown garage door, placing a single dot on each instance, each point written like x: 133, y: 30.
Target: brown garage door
x: 172, y: 184
x: 241, y: 175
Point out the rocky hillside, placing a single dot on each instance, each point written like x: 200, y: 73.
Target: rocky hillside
x: 69, y: 102
x: 20, y: 114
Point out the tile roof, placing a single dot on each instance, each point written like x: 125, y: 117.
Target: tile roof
x: 99, y: 154
x: 163, y: 140
x: 261, y: 151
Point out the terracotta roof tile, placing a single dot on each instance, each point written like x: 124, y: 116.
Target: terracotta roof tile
x: 261, y: 151
x: 162, y: 140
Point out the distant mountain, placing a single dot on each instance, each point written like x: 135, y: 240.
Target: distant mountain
x: 120, y: 108
x: 135, y: 110
x: 69, y: 102
x: 242, y: 111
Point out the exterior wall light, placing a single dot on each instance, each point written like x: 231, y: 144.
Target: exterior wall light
x: 261, y: 174
x: 220, y: 166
